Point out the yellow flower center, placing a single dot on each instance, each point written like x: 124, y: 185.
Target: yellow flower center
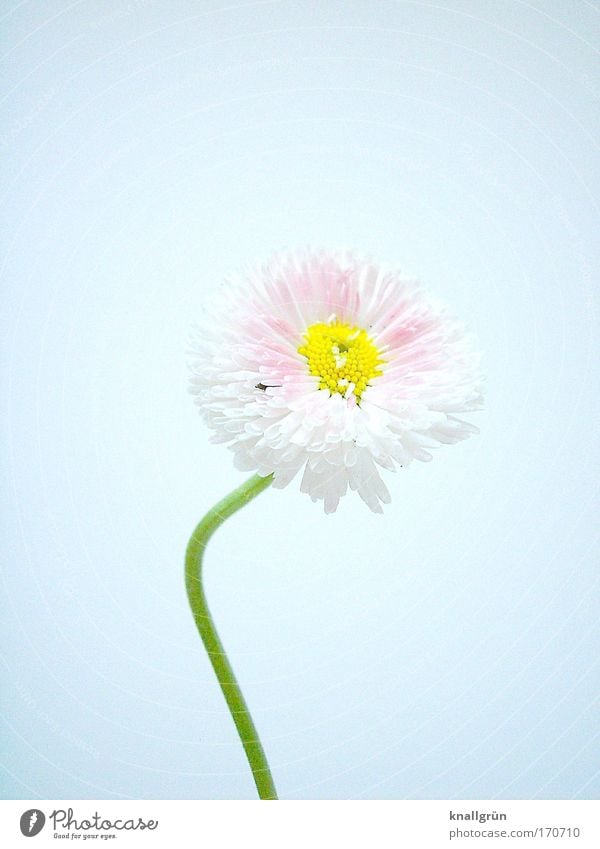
x: 343, y: 357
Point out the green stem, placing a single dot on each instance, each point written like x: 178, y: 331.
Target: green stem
x: 229, y: 686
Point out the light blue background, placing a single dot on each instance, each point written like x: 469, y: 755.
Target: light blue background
x: 446, y: 649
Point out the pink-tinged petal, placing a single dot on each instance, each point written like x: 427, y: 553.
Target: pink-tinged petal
x: 255, y: 392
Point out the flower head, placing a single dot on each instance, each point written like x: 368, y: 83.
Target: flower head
x: 332, y: 365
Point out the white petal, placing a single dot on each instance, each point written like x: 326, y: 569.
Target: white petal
x: 254, y: 391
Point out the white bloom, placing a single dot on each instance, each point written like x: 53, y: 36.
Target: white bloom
x: 331, y: 364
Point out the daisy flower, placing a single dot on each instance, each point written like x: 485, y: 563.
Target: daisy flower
x: 328, y: 365
x: 333, y: 366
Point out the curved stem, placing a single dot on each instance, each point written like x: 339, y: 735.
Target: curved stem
x: 229, y: 686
